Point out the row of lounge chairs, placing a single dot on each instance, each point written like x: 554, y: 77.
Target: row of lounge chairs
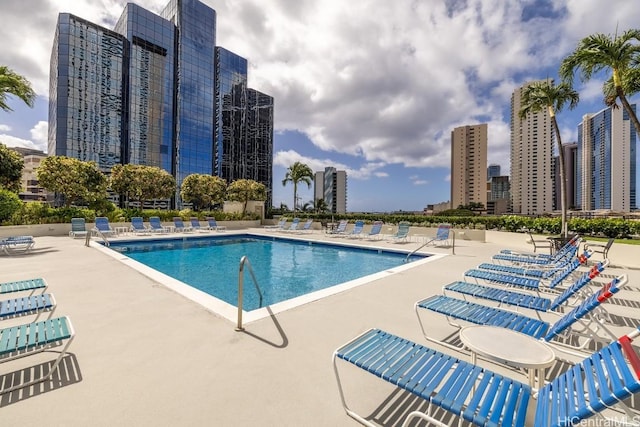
x: 103, y: 227
x: 561, y: 287
x: 375, y: 233
x: 138, y: 226
x: 25, y: 339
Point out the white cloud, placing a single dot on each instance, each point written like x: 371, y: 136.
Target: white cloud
x: 40, y: 136
x: 5, y: 128
x: 420, y: 182
x: 287, y: 158
x: 384, y: 90
x: 12, y: 141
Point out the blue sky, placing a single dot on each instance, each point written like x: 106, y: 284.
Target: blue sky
x: 370, y: 87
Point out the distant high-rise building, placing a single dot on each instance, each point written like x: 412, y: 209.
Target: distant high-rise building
x: 331, y: 186
x: 570, y: 159
x: 469, y: 165
x: 244, y: 125
x: 532, y: 184
x: 493, y: 170
x: 498, y: 199
x: 30, y: 190
x: 157, y: 91
x: 606, y: 166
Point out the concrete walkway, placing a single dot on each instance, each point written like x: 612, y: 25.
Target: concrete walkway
x: 146, y: 356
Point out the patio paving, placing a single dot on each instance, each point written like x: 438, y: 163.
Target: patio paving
x: 146, y: 356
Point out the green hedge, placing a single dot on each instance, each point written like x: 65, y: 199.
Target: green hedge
x: 609, y: 227
x: 40, y: 213
x: 37, y: 213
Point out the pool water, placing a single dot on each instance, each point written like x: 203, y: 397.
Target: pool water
x: 283, y: 268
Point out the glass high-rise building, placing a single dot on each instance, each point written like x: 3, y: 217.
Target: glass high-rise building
x: 493, y: 170
x: 606, y: 161
x: 156, y: 90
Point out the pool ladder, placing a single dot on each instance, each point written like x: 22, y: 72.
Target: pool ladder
x: 98, y: 233
x: 244, y: 260
x: 453, y: 247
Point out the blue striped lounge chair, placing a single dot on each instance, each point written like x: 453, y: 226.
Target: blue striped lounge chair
x: 103, y: 228
x: 376, y: 231
x: 551, y: 282
x: 340, y: 230
x: 306, y: 227
x: 567, y: 251
x: 532, y: 270
x: 559, y: 334
x: 509, y: 297
x: 279, y: 226
x: 155, y: 225
x: 358, y: 227
x: 481, y: 397
x: 23, y: 285
x: 196, y: 226
x: 78, y: 228
x: 293, y: 226
x: 179, y: 226
x: 25, y: 305
x: 17, y: 244
x: 137, y: 226
x: 442, y: 235
x: 213, y: 225
x: 403, y: 232
x: 30, y: 338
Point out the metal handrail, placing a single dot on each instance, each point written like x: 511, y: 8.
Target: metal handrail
x: 244, y: 260
x: 453, y: 247
x: 416, y: 250
x: 99, y: 234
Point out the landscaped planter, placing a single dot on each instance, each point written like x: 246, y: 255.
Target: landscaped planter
x: 37, y: 230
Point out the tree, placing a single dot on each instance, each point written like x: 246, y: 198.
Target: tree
x: 600, y: 52
x: 11, y: 165
x: 203, y: 190
x: 545, y: 95
x: 321, y: 206
x: 630, y: 82
x: 308, y: 206
x: 141, y: 183
x: 297, y: 173
x: 243, y: 190
x: 14, y: 84
x: 74, y: 179
x: 10, y: 203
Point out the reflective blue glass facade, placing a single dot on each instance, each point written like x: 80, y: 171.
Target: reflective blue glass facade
x: 150, y: 87
x: 606, y: 161
x: 195, y: 105
x: 244, y: 125
x: 86, y: 99
x: 157, y: 91
x: 231, y: 93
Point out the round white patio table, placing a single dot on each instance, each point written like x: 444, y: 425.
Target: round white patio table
x: 510, y: 347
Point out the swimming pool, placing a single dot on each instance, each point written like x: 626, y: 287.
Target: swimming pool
x: 284, y: 268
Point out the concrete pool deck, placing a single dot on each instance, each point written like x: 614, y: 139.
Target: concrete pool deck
x: 146, y: 356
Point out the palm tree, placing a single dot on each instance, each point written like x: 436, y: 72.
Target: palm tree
x: 14, y: 84
x: 599, y: 52
x: 297, y: 173
x: 630, y: 82
x: 320, y: 206
x: 308, y: 206
x: 544, y: 94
